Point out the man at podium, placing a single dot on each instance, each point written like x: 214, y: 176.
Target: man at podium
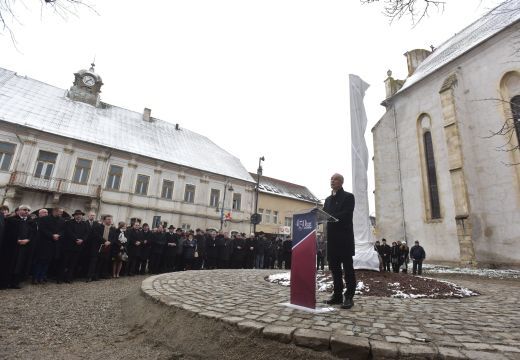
x: 340, y: 242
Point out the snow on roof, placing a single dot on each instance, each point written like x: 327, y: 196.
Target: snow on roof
x: 492, y: 23
x: 44, y: 107
x: 283, y: 188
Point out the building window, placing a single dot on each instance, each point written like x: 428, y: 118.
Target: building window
x: 45, y: 164
x: 189, y: 193
x: 214, y: 198
x: 432, y: 176
x: 515, y: 110
x: 114, y: 177
x: 141, y: 185
x: 6, y: 155
x: 275, y: 217
x: 237, y: 201
x: 267, y: 216
x: 261, y: 212
x: 167, y: 189
x: 82, y: 171
x: 156, y: 221
x: 288, y: 221
x: 186, y: 227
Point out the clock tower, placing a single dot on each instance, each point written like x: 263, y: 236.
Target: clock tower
x: 86, y: 87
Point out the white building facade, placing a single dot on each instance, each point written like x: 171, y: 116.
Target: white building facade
x: 67, y: 148
x: 440, y: 177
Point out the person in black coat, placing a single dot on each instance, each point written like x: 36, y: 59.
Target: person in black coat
x: 170, y: 251
x: 417, y: 254
x: 179, y: 260
x: 386, y: 253
x: 198, y: 263
x: 19, y: 237
x: 74, y: 241
x: 250, y: 252
x: 340, y: 241
x: 287, y: 253
x: 239, y: 252
x: 157, y: 250
x: 101, y: 239
x: 188, y: 253
x: 260, y: 244
x: 135, y: 248
x: 224, y: 249
x: 211, y: 250
x: 51, y: 231
x: 145, y: 254
x: 395, y: 254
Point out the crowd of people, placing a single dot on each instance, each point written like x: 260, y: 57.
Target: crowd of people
x: 49, y: 246
x: 398, y: 256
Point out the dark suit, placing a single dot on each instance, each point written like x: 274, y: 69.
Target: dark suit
x: 74, y: 230
x: 49, y: 250
x: 100, y: 254
x: 14, y: 257
x: 340, y: 240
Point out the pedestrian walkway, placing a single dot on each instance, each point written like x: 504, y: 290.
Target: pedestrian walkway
x: 481, y: 327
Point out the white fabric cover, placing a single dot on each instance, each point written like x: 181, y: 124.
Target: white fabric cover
x: 366, y: 257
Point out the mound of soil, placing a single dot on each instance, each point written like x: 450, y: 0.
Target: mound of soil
x: 389, y: 284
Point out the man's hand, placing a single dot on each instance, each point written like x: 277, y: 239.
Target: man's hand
x: 137, y: 243
x: 107, y: 243
x: 79, y: 241
x: 55, y: 237
x: 23, y: 241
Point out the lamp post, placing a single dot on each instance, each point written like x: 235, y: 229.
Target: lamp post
x: 230, y: 188
x: 258, y: 174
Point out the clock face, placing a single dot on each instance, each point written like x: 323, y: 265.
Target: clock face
x: 88, y: 80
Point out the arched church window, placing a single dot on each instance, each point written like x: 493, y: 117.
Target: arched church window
x: 515, y: 110
x: 431, y: 172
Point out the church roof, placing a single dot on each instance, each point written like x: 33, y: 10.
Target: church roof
x: 501, y: 17
x: 34, y: 104
x: 283, y: 188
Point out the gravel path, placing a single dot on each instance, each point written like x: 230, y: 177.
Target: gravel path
x: 71, y: 321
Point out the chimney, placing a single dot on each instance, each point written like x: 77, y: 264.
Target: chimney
x: 392, y: 85
x: 414, y: 58
x: 147, y: 115
x: 177, y: 127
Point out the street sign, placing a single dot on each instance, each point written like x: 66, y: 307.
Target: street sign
x: 256, y: 219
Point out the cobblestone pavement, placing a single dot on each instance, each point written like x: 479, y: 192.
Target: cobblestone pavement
x: 482, y: 327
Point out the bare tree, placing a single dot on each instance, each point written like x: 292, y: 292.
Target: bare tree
x: 62, y: 8
x: 416, y: 9
x: 510, y: 128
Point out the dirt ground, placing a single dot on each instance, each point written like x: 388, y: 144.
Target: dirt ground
x: 110, y: 319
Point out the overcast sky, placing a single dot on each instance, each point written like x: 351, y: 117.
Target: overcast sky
x: 257, y: 77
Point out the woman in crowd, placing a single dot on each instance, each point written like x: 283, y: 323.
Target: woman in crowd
x: 118, y: 250
x: 190, y: 246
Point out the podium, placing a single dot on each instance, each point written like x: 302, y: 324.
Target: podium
x: 303, y: 258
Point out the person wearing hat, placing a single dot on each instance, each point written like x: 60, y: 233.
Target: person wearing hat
x: 76, y: 232
x: 170, y: 253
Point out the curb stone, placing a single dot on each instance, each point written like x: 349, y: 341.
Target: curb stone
x: 314, y: 339
x: 279, y: 333
x: 351, y: 347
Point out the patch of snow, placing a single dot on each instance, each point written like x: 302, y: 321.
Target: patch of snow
x: 490, y: 273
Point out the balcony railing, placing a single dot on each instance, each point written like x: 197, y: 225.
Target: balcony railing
x: 57, y: 185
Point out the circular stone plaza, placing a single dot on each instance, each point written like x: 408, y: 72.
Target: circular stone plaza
x: 238, y: 314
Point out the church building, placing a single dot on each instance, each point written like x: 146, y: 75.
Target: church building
x: 446, y: 155
x: 68, y: 148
